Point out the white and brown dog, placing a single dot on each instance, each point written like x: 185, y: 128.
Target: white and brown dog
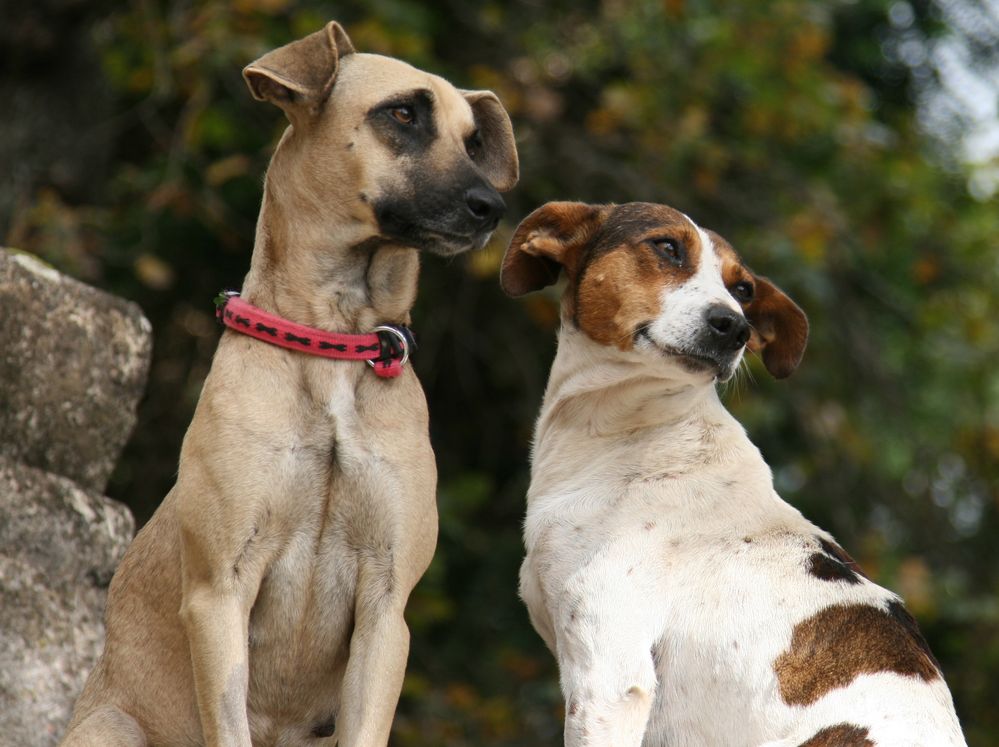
x: 686, y: 603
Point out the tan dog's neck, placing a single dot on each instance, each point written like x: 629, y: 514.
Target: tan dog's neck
x: 337, y: 282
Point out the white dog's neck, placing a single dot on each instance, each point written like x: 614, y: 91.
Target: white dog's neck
x: 632, y: 409
x: 309, y: 274
x: 609, y: 391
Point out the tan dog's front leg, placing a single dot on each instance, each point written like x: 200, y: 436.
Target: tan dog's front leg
x: 379, y: 649
x: 216, y: 626
x: 223, y: 558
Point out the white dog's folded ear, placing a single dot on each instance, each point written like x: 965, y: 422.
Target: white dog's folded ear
x: 547, y: 240
x: 779, y: 329
x: 498, y: 159
x: 298, y: 76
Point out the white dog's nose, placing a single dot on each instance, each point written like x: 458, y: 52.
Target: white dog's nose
x: 728, y: 329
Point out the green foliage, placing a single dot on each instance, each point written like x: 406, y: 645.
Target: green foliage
x: 779, y: 123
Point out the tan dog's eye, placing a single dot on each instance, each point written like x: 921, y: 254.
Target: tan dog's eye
x: 403, y: 114
x: 743, y: 291
x: 473, y: 145
x: 669, y: 249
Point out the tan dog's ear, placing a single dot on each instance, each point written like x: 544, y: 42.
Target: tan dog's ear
x: 498, y: 159
x: 547, y: 240
x: 779, y: 329
x: 298, y: 76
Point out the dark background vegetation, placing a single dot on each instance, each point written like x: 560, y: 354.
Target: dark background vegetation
x: 813, y: 134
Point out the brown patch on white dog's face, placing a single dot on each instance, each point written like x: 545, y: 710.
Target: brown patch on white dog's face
x: 618, y: 260
x: 640, y: 252
x: 840, y: 735
x: 834, y: 646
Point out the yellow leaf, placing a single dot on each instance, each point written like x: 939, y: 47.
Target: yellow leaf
x: 153, y: 272
x: 226, y: 168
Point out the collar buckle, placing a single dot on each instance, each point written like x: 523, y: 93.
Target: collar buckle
x: 220, y: 302
x: 396, y: 342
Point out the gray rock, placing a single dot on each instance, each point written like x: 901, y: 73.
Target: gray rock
x: 73, y: 364
x: 59, y: 546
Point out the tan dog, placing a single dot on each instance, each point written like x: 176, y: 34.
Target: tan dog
x: 263, y: 603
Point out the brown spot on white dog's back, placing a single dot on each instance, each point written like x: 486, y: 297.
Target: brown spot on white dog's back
x: 833, y: 563
x: 834, y: 646
x: 841, y: 735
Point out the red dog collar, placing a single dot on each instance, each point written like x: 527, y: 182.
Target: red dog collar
x: 386, y: 349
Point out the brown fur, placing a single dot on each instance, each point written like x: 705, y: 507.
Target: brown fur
x: 834, y: 564
x: 841, y: 735
x: 617, y: 283
x: 263, y: 602
x: 615, y: 296
x: 831, y: 648
x: 547, y: 240
x: 780, y: 327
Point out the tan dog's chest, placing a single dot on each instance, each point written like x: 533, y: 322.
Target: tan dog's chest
x: 302, y: 620
x: 299, y: 633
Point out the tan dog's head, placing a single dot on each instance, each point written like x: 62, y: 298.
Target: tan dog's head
x: 400, y: 153
x: 646, y: 278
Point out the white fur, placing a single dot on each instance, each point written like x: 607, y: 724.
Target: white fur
x: 666, y: 574
x: 682, y: 309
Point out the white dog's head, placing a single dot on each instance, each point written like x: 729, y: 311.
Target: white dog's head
x: 645, y: 278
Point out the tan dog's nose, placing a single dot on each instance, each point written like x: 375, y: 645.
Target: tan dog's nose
x: 485, y: 206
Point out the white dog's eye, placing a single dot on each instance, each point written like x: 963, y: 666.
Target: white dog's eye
x: 403, y: 114
x: 670, y: 249
x: 742, y: 291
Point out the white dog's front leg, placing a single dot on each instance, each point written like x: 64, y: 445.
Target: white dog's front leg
x: 609, y: 684
x: 607, y: 713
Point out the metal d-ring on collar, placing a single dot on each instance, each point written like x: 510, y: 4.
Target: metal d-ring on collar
x: 400, y: 336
